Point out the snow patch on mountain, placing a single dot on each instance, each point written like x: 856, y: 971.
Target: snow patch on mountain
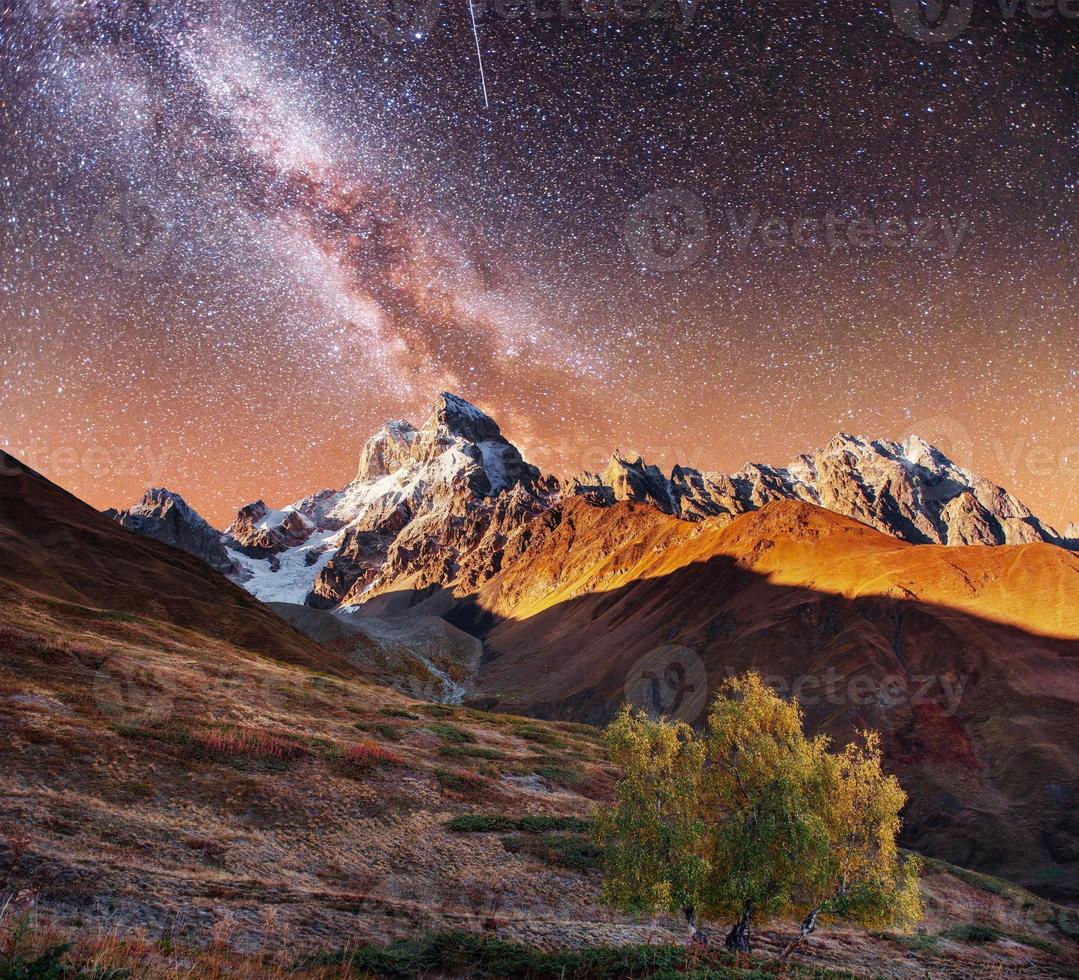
x: 420, y: 479
x: 286, y: 577
x: 451, y: 500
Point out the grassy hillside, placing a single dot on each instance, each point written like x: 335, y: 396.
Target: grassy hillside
x: 171, y: 801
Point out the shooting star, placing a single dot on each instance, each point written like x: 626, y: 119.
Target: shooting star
x: 479, y: 56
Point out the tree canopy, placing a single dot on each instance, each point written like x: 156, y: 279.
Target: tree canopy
x: 752, y: 820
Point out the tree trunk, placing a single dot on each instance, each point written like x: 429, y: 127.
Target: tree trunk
x: 809, y: 923
x: 697, y: 935
x: 738, y: 938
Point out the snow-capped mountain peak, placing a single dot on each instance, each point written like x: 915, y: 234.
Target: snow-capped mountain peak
x: 411, y: 483
x: 909, y: 489
x: 448, y: 501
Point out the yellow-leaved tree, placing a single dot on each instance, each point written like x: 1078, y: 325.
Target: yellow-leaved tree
x: 752, y: 820
x: 654, y: 832
x: 861, y: 878
x: 761, y: 793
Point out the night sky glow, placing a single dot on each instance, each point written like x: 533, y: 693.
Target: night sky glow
x: 237, y: 237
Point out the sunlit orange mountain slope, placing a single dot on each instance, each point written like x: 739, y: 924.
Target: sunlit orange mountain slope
x: 966, y: 658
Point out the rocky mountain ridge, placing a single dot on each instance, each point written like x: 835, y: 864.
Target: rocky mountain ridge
x: 447, y: 504
x: 908, y: 489
x: 167, y: 517
x: 428, y: 505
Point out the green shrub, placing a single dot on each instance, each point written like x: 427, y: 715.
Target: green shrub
x: 381, y: 729
x: 470, y: 751
x: 533, y: 823
x: 534, y: 733
x: 588, y: 731
x: 976, y: 932
x: 918, y: 942
x: 1036, y: 942
x: 489, y: 716
x: 437, y: 710
x: 399, y: 713
x: 461, y: 780
x: 568, y: 776
x: 972, y: 932
x: 573, y: 851
x: 451, y: 733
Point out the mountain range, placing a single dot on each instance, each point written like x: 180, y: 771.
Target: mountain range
x: 447, y: 504
x: 881, y: 583
x: 183, y: 769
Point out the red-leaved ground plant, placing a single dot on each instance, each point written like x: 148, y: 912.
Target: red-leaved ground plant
x: 252, y: 744
x: 365, y: 756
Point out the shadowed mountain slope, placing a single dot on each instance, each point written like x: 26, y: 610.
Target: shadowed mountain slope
x: 965, y: 658
x: 53, y: 544
x: 165, y: 784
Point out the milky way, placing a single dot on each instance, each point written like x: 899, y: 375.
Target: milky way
x: 236, y: 238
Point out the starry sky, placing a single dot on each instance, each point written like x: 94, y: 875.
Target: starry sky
x: 235, y: 237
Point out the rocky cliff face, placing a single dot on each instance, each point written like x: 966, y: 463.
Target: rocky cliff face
x: 449, y: 503
x: 429, y: 506
x: 909, y: 489
x: 165, y: 516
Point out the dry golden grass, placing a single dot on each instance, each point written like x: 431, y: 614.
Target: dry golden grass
x: 190, y: 809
